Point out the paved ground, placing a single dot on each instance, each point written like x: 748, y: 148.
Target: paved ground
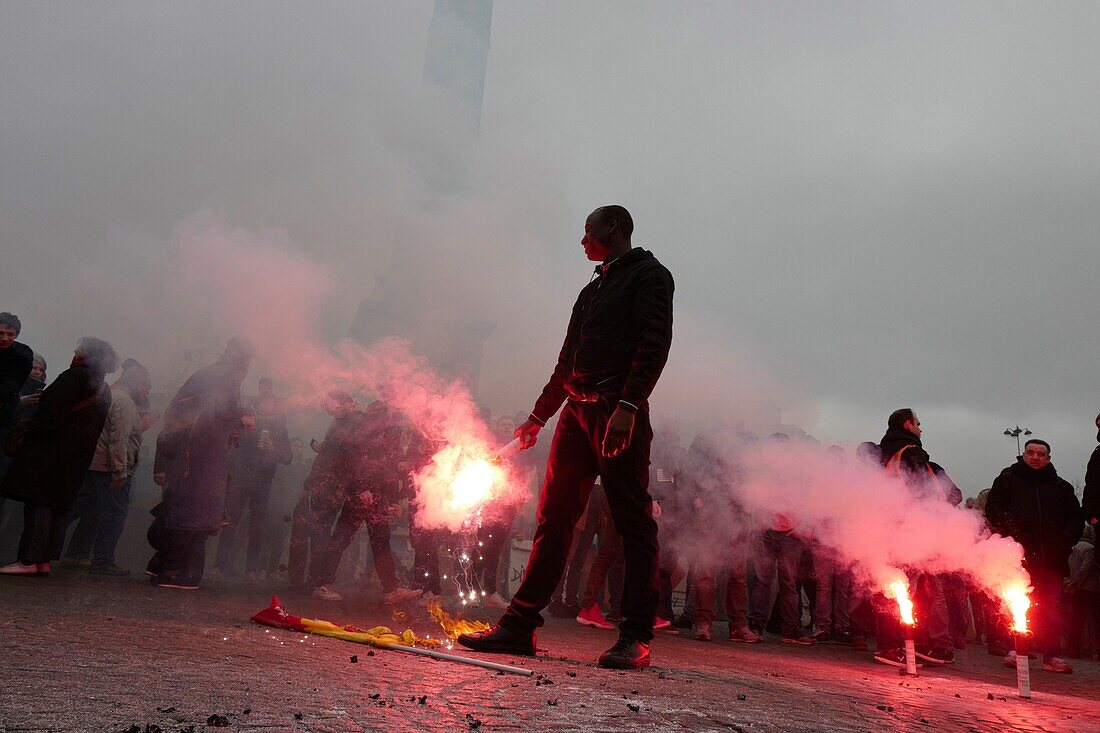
x: 84, y: 653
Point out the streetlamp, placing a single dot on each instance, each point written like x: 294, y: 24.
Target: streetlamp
x: 1016, y: 432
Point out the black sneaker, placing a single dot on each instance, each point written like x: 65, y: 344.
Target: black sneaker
x: 112, y: 569
x: 823, y: 637
x: 936, y: 656
x: 500, y: 640
x: 893, y: 657
x: 798, y: 639
x: 626, y: 654
x: 176, y: 583
x: 843, y: 637
x: 683, y: 621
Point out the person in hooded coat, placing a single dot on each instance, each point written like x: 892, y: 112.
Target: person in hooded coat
x: 16, y: 363
x: 1030, y: 503
x: 192, y: 464
x: 49, y: 467
x: 1090, y: 502
x: 903, y: 455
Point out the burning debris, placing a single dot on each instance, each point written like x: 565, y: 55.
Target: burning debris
x: 452, y: 626
x: 379, y: 636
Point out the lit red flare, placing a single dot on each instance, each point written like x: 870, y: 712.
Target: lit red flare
x: 1017, y: 602
x: 459, y: 481
x: 899, y: 591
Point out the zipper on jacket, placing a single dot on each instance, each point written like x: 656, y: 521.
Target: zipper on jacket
x: 1042, y: 536
x: 587, y: 315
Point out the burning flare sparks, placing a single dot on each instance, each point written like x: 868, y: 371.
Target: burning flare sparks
x: 452, y: 626
x: 459, y: 482
x: 1017, y: 602
x: 899, y: 590
x: 472, y: 484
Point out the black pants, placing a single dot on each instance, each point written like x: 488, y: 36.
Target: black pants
x: 608, y: 555
x: 43, y: 532
x: 570, y: 583
x: 1046, y: 619
x: 182, y: 557
x: 352, y: 519
x: 426, y: 544
x: 493, y: 539
x: 1084, y: 615
x: 253, y: 495
x: 310, y: 529
x: 575, y: 458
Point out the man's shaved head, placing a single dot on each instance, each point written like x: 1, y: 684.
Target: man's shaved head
x: 619, y: 215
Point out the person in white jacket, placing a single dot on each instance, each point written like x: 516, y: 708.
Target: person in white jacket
x: 104, y: 499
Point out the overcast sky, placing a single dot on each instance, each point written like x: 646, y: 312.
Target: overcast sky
x: 866, y: 205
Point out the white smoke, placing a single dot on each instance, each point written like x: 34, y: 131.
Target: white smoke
x: 870, y: 518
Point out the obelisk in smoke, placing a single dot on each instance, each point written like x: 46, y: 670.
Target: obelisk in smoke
x: 405, y: 298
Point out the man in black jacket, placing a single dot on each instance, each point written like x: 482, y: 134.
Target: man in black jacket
x: 903, y: 454
x: 615, y: 348
x: 1090, y: 502
x: 1032, y: 504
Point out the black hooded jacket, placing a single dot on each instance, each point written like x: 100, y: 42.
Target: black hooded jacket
x: 619, y: 335
x: 1091, y: 501
x: 923, y: 476
x: 915, y: 459
x: 15, y: 366
x: 1039, y: 510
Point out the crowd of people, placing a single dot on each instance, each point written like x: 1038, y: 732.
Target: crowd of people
x: 228, y: 468
x: 779, y: 579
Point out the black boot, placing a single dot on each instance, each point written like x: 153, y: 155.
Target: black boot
x: 500, y: 640
x: 626, y: 654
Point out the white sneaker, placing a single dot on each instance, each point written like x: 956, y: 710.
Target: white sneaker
x: 18, y: 568
x: 400, y: 595
x: 326, y: 593
x: 1010, y: 659
x: 494, y: 601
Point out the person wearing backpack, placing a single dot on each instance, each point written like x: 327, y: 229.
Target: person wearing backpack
x: 54, y: 453
x: 903, y: 455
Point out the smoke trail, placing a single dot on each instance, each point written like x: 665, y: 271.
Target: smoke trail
x: 871, y: 519
x: 259, y: 284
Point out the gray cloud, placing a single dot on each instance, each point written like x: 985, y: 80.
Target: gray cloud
x: 875, y: 204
